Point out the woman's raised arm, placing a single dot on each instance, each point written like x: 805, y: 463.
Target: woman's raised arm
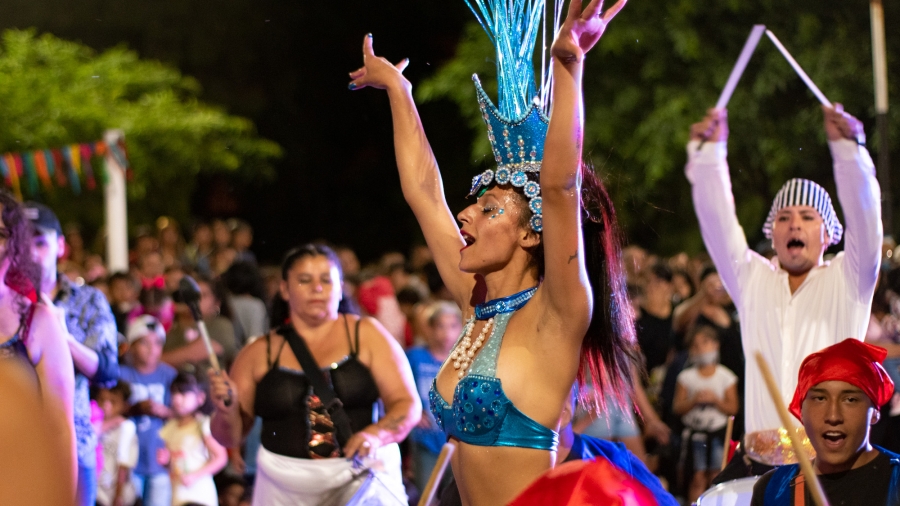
x: 420, y: 177
x: 566, y: 280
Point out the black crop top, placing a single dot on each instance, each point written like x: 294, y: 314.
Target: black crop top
x: 281, y: 400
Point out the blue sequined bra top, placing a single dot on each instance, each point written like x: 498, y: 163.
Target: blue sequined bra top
x: 481, y: 414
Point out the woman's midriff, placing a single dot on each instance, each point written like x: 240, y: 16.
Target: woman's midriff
x: 495, y: 475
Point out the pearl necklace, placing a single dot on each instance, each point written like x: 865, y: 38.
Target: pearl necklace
x: 465, y: 351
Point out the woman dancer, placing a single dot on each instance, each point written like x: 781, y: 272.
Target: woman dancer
x: 561, y: 254
x: 32, y: 336
x: 298, y: 463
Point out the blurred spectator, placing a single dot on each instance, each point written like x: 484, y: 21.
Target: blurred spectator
x: 884, y: 331
x: 376, y: 298
x: 185, y: 349
x: 248, y: 311
x: 682, y: 286
x: 435, y: 284
x: 410, y: 300
x: 444, y: 328
x: 231, y: 489
x: 145, y: 242
x: 654, y: 316
x: 74, y: 250
x: 198, y: 251
x: 192, y: 454
x: 151, y: 269
x: 221, y: 234
x: 154, y: 300
x: 705, y: 395
x: 123, y: 298
x: 91, y: 338
x: 221, y: 260
x: 171, y: 241
x: 119, y: 443
x: 150, y: 380
x: 172, y: 278
x: 241, y: 240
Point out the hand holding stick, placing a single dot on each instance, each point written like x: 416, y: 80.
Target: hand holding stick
x: 805, y: 464
x: 728, y: 431
x: 190, y: 295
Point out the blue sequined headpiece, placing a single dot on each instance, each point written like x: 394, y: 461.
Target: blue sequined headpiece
x: 518, y: 127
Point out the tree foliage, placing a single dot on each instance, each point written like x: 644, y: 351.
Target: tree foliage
x: 661, y: 65
x: 55, y: 92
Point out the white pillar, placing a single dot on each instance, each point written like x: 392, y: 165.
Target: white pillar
x: 116, y: 207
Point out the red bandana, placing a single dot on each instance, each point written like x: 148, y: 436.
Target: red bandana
x: 850, y: 360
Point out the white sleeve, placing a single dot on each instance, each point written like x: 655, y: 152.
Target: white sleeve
x: 707, y: 171
x: 127, y: 452
x: 860, y: 197
x: 204, y: 426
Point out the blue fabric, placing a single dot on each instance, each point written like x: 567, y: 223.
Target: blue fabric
x: 86, y: 493
x: 481, y: 413
x: 154, y: 489
x: 90, y: 321
x: 779, y: 493
x: 153, y: 386
x: 588, y: 448
x: 425, y: 368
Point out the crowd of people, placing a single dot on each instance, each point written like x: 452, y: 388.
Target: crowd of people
x: 520, y: 332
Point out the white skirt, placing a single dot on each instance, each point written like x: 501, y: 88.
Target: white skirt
x: 288, y: 481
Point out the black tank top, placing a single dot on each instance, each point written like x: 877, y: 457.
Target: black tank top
x: 281, y: 400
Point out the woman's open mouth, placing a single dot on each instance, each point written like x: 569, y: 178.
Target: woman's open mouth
x: 468, y: 238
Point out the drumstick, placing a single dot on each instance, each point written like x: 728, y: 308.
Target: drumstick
x: 728, y: 430
x: 740, y: 65
x: 805, y: 464
x: 436, y: 474
x: 809, y: 83
x: 189, y: 291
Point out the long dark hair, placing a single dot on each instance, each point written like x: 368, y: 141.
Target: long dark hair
x: 23, y: 275
x: 281, y: 311
x: 608, y: 351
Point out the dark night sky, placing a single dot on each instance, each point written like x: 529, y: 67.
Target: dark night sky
x: 284, y: 65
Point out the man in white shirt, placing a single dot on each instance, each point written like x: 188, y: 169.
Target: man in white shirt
x: 797, y: 303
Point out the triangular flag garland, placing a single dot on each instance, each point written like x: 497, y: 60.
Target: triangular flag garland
x: 67, y: 165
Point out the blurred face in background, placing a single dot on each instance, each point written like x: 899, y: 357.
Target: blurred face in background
x: 221, y: 234
x: 445, y: 329
x: 209, y: 303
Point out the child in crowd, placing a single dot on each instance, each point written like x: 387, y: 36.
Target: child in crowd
x: 119, y: 444
x: 150, y: 380
x: 705, y: 396
x: 444, y: 328
x: 193, y: 455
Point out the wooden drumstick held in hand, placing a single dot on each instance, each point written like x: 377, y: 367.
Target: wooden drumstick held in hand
x: 190, y: 295
x: 805, y: 464
x: 436, y: 474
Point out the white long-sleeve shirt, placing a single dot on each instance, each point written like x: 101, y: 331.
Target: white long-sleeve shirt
x: 834, y: 301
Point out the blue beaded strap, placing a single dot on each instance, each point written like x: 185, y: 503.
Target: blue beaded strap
x: 504, y: 305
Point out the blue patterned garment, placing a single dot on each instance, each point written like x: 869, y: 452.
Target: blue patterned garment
x: 90, y: 321
x: 481, y: 413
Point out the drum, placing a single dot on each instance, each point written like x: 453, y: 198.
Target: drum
x: 731, y: 493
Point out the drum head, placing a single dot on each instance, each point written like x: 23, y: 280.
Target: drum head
x: 731, y: 493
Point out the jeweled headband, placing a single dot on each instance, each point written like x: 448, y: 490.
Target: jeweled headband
x: 518, y: 127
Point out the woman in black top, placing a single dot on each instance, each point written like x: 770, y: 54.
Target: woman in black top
x: 361, y: 362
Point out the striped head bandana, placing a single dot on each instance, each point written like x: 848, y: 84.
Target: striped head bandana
x: 803, y: 192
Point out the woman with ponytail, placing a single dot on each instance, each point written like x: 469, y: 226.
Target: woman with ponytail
x: 534, y: 265
x: 304, y: 432
x: 33, y: 341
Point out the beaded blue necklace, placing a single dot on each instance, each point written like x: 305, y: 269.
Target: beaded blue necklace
x: 508, y: 304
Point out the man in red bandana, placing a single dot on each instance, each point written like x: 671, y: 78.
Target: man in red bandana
x: 839, y: 392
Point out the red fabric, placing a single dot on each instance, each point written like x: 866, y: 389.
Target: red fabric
x: 584, y: 482
x: 850, y: 360
x: 372, y: 290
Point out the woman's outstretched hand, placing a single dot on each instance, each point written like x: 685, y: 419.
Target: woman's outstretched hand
x: 582, y: 29
x: 376, y: 71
